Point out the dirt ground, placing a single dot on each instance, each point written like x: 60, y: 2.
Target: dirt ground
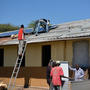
x: 31, y: 88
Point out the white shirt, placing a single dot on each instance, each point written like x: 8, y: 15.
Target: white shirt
x: 79, y: 74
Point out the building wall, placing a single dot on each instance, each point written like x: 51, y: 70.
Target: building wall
x: 89, y: 51
x: 69, y: 51
x: 10, y: 55
x: 33, y: 76
x: 32, y: 72
x: 60, y: 50
x: 33, y: 55
x: 57, y: 50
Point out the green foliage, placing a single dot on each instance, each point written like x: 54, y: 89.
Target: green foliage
x: 31, y: 25
x: 7, y: 27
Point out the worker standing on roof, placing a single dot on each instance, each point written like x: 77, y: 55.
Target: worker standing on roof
x: 41, y: 22
x: 21, y: 38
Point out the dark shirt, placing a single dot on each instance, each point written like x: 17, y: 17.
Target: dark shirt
x: 48, y: 74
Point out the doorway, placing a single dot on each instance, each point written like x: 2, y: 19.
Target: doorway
x: 46, y: 54
x: 1, y: 57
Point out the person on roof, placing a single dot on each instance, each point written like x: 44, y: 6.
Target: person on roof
x: 21, y: 38
x: 41, y: 22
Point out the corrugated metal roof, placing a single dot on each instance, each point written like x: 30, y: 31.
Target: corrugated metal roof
x: 71, y: 30
x: 4, y: 40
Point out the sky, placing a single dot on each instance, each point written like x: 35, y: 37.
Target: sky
x: 17, y: 12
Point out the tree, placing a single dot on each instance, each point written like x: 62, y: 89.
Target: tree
x: 32, y: 24
x: 7, y: 27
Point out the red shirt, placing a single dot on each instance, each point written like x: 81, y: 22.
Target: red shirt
x: 56, y: 72
x: 20, y: 34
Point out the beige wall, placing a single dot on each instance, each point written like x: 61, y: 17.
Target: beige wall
x: 57, y: 50
x: 69, y: 51
x: 10, y: 55
x: 33, y: 55
x: 89, y: 51
x: 34, y: 52
x: 60, y: 50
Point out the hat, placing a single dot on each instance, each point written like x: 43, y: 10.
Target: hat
x: 57, y: 61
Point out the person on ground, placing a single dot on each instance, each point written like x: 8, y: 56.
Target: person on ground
x: 79, y: 73
x: 48, y: 71
x: 56, y: 74
x: 21, y: 38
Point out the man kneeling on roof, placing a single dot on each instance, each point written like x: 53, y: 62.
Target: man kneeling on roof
x: 41, y: 22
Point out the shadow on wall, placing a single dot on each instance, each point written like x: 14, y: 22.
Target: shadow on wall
x: 25, y: 72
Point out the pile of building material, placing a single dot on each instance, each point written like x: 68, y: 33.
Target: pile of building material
x: 3, y: 86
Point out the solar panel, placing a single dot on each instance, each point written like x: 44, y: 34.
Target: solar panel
x: 6, y: 34
x: 26, y: 31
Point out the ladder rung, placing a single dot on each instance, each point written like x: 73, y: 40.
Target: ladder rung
x: 15, y: 72
x: 16, y: 68
x: 18, y: 63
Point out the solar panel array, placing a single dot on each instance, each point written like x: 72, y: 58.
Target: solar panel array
x: 26, y: 31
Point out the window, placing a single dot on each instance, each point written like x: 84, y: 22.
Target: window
x: 1, y: 56
x: 46, y: 54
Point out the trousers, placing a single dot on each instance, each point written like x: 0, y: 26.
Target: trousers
x: 20, y: 47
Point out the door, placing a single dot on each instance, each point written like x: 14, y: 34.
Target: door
x: 81, y: 53
x: 1, y: 56
x: 46, y: 54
